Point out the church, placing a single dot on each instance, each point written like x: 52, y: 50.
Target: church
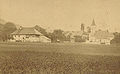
x: 97, y: 36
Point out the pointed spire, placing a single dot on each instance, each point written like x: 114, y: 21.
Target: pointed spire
x: 93, y: 23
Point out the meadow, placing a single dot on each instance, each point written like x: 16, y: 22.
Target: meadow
x: 59, y: 58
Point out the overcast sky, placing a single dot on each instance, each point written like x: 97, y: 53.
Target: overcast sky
x: 63, y: 14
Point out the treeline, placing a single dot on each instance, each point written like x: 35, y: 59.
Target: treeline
x: 5, y: 30
x: 56, y: 36
x: 59, y: 36
x: 116, y: 39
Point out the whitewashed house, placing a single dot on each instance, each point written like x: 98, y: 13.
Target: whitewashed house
x: 28, y: 35
x: 101, y: 37
x: 98, y: 36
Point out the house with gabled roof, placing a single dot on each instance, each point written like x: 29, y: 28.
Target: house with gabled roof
x: 28, y: 34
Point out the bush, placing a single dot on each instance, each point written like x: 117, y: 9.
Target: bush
x: 116, y: 39
x: 79, y: 39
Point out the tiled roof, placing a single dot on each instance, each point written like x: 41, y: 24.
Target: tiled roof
x: 27, y: 31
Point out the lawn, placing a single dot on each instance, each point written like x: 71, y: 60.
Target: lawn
x: 51, y: 58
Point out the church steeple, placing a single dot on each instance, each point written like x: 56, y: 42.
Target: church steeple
x: 93, y: 27
x: 93, y: 23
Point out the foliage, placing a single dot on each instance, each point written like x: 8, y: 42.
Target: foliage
x: 1, y: 31
x: 88, y: 30
x: 57, y: 36
x: 79, y: 39
x: 116, y: 39
x: 24, y: 58
x: 6, y: 30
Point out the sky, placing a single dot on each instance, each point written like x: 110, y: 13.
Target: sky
x: 62, y: 14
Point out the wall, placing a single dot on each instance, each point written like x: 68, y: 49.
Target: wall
x: 31, y: 38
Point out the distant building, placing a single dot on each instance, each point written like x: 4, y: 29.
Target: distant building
x: 99, y: 36
x: 72, y: 35
x: 77, y: 36
x: 29, y: 35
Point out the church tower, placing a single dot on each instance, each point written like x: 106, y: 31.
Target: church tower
x: 93, y: 27
x: 82, y: 27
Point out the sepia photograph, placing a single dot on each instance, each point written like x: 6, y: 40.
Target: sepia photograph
x: 59, y: 36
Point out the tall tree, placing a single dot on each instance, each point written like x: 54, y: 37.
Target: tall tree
x: 58, y: 35
x: 1, y: 31
x: 8, y: 28
x: 88, y: 30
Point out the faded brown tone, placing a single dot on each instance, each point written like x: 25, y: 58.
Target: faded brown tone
x: 40, y: 58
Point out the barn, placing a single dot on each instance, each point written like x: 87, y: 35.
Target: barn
x: 28, y: 34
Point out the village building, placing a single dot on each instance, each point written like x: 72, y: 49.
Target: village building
x: 77, y: 36
x: 102, y: 37
x: 73, y: 34
x: 26, y: 34
x: 98, y: 36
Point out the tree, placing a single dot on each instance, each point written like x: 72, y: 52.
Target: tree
x: 8, y: 28
x: 1, y: 32
x: 116, y: 39
x: 79, y: 39
x: 88, y: 30
x: 57, y: 36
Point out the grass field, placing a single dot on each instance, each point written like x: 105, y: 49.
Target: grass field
x: 51, y: 58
